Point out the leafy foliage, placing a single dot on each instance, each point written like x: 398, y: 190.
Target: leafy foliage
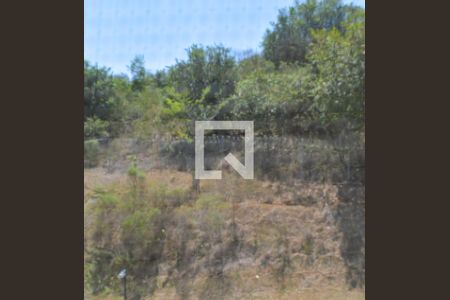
x: 91, y: 153
x: 138, y: 74
x: 290, y: 36
x: 338, y: 60
x: 207, y: 74
x: 96, y: 128
x: 309, y: 79
x: 98, y: 89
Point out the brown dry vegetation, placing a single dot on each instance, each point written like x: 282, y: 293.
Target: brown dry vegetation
x: 272, y: 240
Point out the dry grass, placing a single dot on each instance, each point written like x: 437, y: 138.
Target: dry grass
x: 263, y: 209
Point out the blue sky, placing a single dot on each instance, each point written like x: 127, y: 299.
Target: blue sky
x: 117, y: 30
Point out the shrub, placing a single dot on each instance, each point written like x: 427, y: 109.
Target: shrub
x: 95, y: 128
x: 91, y: 153
x: 138, y: 226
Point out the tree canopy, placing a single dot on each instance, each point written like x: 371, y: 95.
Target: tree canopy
x: 309, y: 78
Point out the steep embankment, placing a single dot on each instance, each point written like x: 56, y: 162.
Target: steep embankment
x: 295, y: 240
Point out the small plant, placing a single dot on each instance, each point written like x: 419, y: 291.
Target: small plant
x: 138, y: 227
x: 91, y: 153
x: 133, y: 171
x: 137, y: 179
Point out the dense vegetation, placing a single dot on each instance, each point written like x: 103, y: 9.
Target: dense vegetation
x: 308, y: 78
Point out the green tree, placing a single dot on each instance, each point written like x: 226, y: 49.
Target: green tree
x: 139, y: 78
x: 210, y: 69
x: 98, y: 90
x: 255, y: 63
x: 277, y: 101
x: 338, y: 61
x: 290, y: 36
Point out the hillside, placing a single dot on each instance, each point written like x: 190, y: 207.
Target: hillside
x: 297, y: 231
x: 261, y: 239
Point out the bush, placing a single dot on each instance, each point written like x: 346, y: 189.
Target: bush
x: 91, y: 153
x: 125, y: 230
x: 95, y: 128
x: 137, y: 227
